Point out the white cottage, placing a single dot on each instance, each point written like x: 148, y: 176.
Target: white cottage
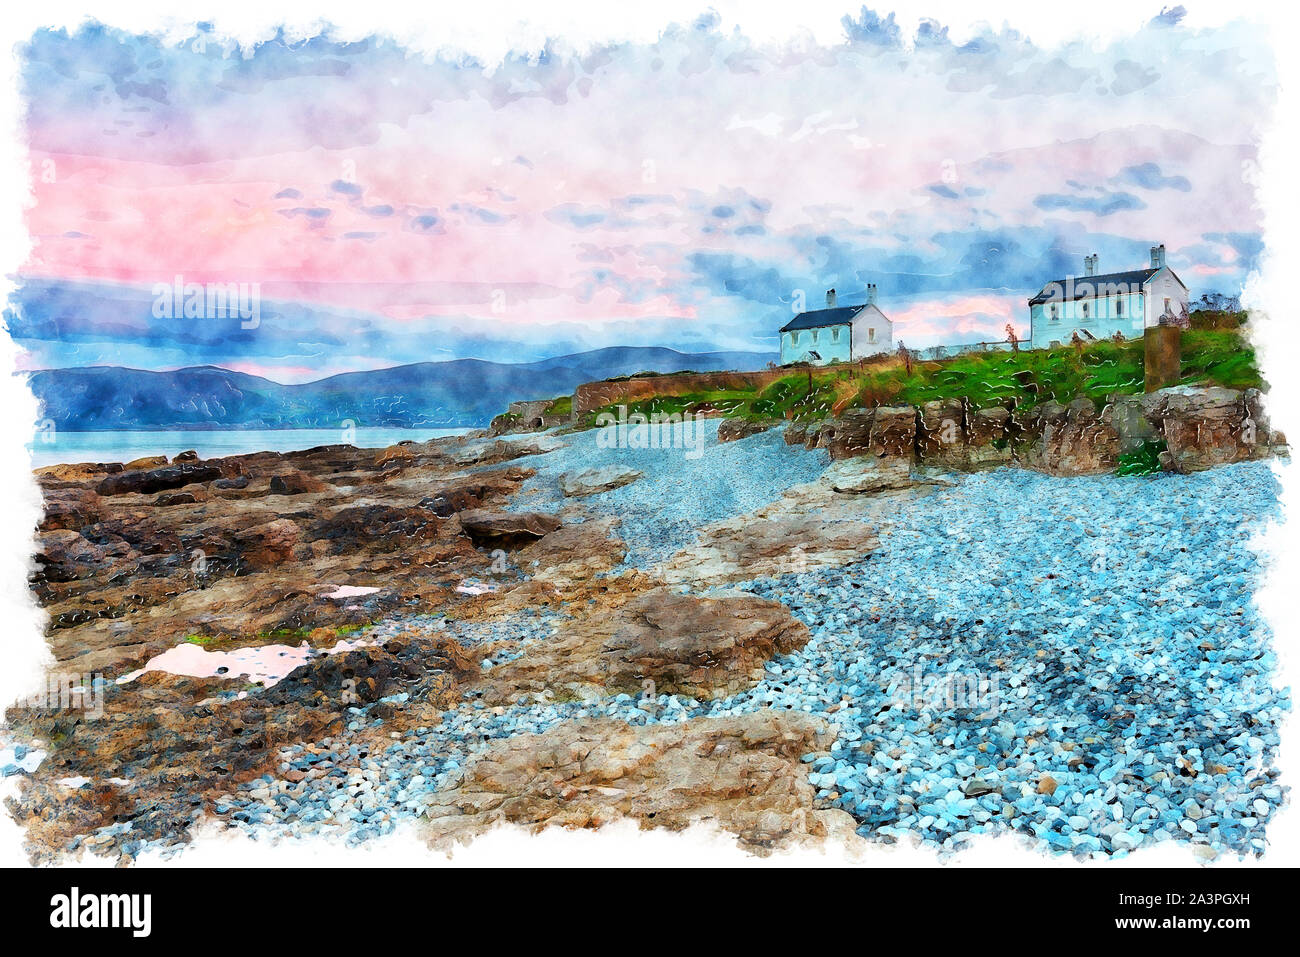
x: 1098, y: 305
x: 843, y: 333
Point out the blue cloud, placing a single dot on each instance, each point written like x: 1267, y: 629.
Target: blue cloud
x: 426, y: 223
x: 1149, y: 176
x: 1102, y: 205
x: 315, y: 213
x: 579, y: 217
x: 869, y: 28
x: 1169, y: 17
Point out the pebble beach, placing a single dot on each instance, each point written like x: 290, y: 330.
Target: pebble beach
x: 1075, y: 660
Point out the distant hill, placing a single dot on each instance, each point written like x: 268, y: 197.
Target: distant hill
x: 455, y: 393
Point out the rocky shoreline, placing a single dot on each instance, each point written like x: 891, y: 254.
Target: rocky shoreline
x: 539, y: 629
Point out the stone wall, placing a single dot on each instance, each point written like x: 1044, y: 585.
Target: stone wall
x: 527, y: 416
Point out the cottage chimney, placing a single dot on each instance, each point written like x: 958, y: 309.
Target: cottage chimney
x: 830, y: 298
x: 1090, y: 265
x: 1157, y: 256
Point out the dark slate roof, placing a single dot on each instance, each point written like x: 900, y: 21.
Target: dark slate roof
x: 819, y: 318
x: 1085, y: 286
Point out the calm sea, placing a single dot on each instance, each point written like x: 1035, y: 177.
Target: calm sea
x: 65, y: 447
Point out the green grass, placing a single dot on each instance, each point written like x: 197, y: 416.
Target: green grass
x: 203, y: 641
x: 1029, y: 377
x: 723, y: 401
x: 562, y: 406
x: 302, y: 633
x: 1144, y: 460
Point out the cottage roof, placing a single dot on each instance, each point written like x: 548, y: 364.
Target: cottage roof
x: 820, y: 318
x: 1087, y: 287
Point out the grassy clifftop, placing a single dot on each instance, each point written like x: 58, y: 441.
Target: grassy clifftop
x: 1210, y: 357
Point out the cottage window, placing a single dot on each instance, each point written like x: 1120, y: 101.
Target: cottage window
x: 835, y: 335
x: 1119, y: 307
x: 1055, y: 313
x: 1085, y: 310
x: 871, y: 334
x: 814, y: 337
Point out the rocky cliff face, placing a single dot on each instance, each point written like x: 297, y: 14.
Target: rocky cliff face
x: 1200, y: 426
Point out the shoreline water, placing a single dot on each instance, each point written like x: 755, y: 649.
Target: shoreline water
x: 61, y: 448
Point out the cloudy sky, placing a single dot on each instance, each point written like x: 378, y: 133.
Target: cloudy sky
x: 691, y: 192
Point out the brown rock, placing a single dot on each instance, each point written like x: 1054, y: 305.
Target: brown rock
x: 80, y: 473
x: 71, y: 508
x: 573, y: 553
x: 732, y: 430
x: 1208, y: 426
x: 148, y: 462
x: 941, y: 434
x: 595, y: 480
x: 740, y: 773
x: 268, y: 544
x: 147, y: 481
x: 394, y: 456
x: 684, y: 644
x: 506, y: 529
x: 849, y: 434
x: 1073, y: 440
x: 743, y: 548
x: 295, y: 483
x: 1047, y: 784
x: 893, y: 430
x: 189, y: 496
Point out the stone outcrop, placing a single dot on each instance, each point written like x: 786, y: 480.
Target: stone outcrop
x: 1201, y: 426
x: 573, y: 553
x: 941, y: 433
x: 1205, y: 427
x: 71, y: 508
x: 1069, y: 440
x: 146, y: 481
x: 506, y: 529
x: 683, y: 644
x: 603, y: 479
x: 532, y: 415
x: 870, y: 474
x: 503, y: 450
x: 122, y: 575
x: 745, y: 548
x: 177, y: 746
x: 739, y: 773
x: 295, y: 482
x: 732, y: 430
x: 395, y: 456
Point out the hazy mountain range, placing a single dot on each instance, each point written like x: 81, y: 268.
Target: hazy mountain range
x: 455, y: 393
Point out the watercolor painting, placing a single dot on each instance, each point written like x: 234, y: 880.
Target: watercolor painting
x: 851, y: 443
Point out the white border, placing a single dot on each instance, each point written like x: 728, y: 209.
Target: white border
x: 490, y: 28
